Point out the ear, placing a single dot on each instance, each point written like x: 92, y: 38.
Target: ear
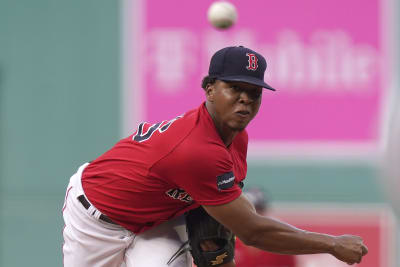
x: 210, y: 91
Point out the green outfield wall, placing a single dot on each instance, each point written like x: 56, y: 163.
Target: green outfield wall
x: 60, y: 81
x: 59, y: 106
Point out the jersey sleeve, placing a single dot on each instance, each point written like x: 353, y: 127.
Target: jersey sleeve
x: 206, y: 174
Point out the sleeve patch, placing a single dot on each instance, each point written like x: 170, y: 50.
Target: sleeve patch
x: 225, y: 181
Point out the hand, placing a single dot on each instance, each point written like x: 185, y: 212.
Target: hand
x: 349, y: 248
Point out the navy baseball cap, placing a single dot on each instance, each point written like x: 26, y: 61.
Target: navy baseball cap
x: 239, y: 64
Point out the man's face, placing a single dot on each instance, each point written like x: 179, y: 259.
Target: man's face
x: 235, y: 104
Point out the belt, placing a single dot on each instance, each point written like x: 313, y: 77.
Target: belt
x: 86, y: 204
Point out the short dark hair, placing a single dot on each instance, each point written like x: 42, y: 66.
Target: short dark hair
x: 206, y: 80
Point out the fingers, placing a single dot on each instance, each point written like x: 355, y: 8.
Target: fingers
x: 359, y: 260
x: 355, y: 261
x: 364, y: 249
x: 351, y: 249
x: 363, y: 252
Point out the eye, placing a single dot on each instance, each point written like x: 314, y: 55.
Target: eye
x: 256, y: 94
x: 236, y: 88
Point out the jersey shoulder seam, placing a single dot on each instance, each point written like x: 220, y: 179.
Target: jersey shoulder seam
x: 173, y: 149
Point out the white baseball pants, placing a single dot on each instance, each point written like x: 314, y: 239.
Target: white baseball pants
x: 91, y: 242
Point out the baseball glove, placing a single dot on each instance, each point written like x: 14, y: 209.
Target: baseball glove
x: 201, y: 226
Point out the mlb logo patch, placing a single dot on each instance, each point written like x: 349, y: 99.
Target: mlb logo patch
x: 225, y: 181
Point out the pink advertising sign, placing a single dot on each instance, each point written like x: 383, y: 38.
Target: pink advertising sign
x: 328, y: 61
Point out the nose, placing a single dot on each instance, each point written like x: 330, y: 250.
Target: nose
x: 245, y: 98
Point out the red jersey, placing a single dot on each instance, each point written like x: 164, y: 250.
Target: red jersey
x: 166, y: 169
x: 246, y: 256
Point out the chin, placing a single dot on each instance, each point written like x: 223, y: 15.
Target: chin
x: 239, y: 126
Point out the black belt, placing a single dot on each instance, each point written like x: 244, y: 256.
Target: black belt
x: 87, y: 205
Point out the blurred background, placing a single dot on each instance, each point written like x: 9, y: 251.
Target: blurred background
x: 76, y: 76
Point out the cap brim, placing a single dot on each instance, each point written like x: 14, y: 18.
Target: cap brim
x: 246, y: 79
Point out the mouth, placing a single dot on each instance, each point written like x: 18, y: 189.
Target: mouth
x: 243, y: 113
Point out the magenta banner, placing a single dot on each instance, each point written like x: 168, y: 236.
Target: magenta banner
x: 328, y: 61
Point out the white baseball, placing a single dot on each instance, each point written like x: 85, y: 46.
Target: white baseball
x: 222, y: 14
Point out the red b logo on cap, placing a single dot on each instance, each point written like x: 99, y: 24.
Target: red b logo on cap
x: 252, y: 62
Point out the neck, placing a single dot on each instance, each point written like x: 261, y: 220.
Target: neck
x: 227, y: 134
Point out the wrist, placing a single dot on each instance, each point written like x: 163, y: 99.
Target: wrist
x: 332, y: 244
x: 324, y: 243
